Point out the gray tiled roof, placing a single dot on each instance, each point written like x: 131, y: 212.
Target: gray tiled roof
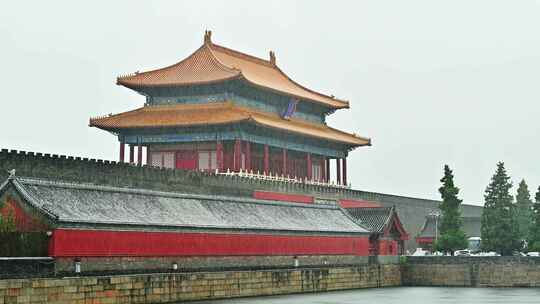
x: 100, y: 205
x: 373, y: 218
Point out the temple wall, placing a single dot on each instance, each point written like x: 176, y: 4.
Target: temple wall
x: 412, y: 211
x: 176, y: 287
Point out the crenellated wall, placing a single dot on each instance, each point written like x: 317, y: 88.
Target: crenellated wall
x: 412, y: 211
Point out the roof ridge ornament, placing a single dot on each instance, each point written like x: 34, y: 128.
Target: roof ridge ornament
x: 272, y: 58
x: 12, y: 173
x: 207, y: 37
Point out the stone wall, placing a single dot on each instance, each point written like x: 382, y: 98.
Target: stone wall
x: 173, y: 287
x: 472, y: 271
x: 156, y: 264
x: 412, y: 211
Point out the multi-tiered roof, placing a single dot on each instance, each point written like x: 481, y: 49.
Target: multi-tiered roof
x: 213, y: 63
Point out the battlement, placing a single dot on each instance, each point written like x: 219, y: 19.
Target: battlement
x: 111, y: 173
x: 79, y: 169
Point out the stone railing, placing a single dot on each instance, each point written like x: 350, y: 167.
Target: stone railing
x: 280, y: 178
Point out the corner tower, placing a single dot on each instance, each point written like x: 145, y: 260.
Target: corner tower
x: 223, y: 110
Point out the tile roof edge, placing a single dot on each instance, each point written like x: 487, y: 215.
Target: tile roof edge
x: 210, y: 227
x: 32, y: 200
x: 353, y: 219
x: 88, y: 186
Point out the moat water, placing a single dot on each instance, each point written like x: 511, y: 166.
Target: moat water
x: 402, y: 295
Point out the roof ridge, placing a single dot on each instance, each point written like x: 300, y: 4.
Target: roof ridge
x: 202, y: 47
x: 242, y: 55
x: 149, y: 192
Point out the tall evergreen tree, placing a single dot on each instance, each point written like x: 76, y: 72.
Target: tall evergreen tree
x: 534, y: 232
x: 523, y: 210
x: 452, y: 236
x: 499, y: 230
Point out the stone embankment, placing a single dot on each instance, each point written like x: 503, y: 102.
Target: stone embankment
x: 472, y: 271
x: 174, y: 287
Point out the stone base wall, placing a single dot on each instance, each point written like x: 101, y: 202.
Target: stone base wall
x: 155, y: 264
x: 472, y: 271
x: 174, y: 287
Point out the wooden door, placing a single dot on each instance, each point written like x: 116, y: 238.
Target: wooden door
x: 186, y: 160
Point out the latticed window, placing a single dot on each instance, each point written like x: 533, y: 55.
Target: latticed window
x: 162, y: 159
x: 207, y: 160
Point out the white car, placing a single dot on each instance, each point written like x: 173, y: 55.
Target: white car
x: 420, y: 252
x: 464, y: 252
x: 533, y: 254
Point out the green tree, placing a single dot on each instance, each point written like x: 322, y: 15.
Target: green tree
x: 534, y: 232
x: 499, y: 230
x: 452, y: 236
x: 523, y: 210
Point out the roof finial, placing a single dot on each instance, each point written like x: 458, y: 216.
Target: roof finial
x: 207, y: 37
x: 272, y: 57
x: 11, y: 174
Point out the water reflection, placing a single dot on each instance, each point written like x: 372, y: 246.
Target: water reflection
x: 402, y: 295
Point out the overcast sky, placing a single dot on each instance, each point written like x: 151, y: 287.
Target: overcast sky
x: 431, y: 82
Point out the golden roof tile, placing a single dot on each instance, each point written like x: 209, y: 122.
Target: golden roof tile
x: 183, y: 115
x: 214, y: 63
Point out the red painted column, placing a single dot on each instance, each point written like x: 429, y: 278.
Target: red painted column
x: 309, y: 166
x: 131, y: 154
x: 219, y: 155
x: 338, y: 171
x: 344, y: 160
x: 323, y: 170
x: 122, y: 151
x: 248, y: 156
x: 284, y: 162
x: 266, y: 159
x: 237, y: 155
x: 139, y: 155
x: 327, y: 161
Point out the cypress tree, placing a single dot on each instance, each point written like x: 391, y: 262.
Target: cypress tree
x: 499, y: 230
x: 534, y: 232
x: 452, y: 236
x: 523, y: 210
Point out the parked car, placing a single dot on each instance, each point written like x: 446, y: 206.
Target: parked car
x: 421, y: 252
x: 533, y: 254
x: 464, y: 252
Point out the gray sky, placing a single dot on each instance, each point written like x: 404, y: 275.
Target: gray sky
x: 431, y: 82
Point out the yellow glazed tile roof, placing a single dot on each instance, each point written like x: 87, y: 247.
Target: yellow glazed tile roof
x: 183, y: 115
x: 214, y: 63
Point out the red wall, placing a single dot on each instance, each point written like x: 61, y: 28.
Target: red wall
x: 358, y: 204
x: 23, y: 221
x: 276, y: 196
x: 388, y: 247
x: 81, y: 243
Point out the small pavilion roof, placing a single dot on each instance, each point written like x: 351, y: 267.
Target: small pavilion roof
x: 183, y: 115
x: 213, y: 63
x: 378, y: 219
